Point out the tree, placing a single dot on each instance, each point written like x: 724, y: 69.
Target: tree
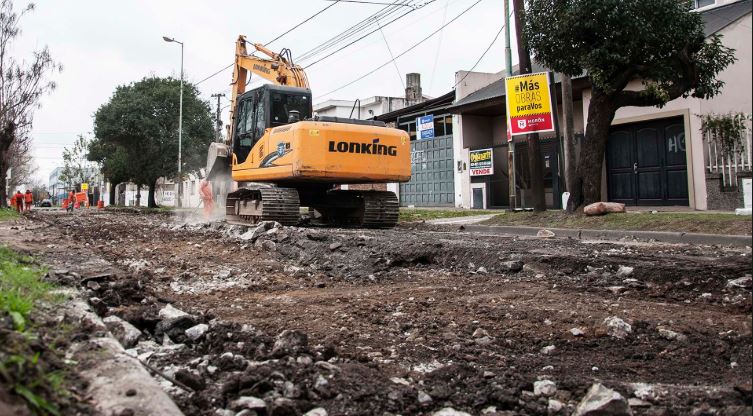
x: 22, y: 84
x: 659, y: 42
x: 112, y: 159
x: 142, y: 118
x: 20, y: 162
x: 77, y: 169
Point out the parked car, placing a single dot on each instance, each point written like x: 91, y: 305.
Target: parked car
x: 46, y: 203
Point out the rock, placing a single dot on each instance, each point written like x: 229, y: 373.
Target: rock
x: 195, y: 332
x: 548, y: 349
x: 127, y: 334
x: 248, y: 402
x: 335, y: 246
x: 174, y: 328
x: 617, y: 328
x: 601, y: 208
x: 190, y: 379
x: 478, y: 333
x: 671, y: 335
x: 262, y: 228
x: 423, y: 398
x: 601, y: 401
x: 449, y: 411
x: 545, y: 234
x: 289, y: 342
x: 616, y: 290
x: 513, y: 266
x: 283, y: 407
x: 91, y: 284
x: 484, y: 341
x: 625, y: 271
x: 319, y: 411
x: 98, y: 305
x: 169, y: 312
x: 635, y: 402
x: 554, y: 406
x: 482, y: 270
x: 544, y: 388
x: 644, y: 391
x: 744, y: 282
x: 269, y: 245
x: 577, y: 332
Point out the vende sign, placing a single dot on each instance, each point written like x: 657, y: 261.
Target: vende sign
x: 481, y: 162
x: 529, y: 104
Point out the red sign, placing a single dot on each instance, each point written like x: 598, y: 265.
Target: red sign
x: 531, y: 124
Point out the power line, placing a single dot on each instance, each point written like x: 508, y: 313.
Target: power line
x: 303, y: 22
x: 482, y: 56
x: 275, y: 39
x: 364, y: 36
x: 368, y: 2
x: 353, y: 30
x: 399, y: 74
x: 404, y: 52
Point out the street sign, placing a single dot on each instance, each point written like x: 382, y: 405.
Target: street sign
x: 84, y: 187
x: 529, y: 104
x: 425, y: 127
x: 482, y: 162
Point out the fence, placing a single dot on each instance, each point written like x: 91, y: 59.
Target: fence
x: 729, y: 165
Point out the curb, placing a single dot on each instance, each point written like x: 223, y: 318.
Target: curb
x: 618, y: 235
x: 115, y: 372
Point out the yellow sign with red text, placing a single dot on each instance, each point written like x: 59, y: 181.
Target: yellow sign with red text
x: 529, y: 104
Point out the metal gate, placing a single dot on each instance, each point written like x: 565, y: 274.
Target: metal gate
x: 431, y: 183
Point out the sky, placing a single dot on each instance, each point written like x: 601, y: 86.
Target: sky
x: 103, y: 44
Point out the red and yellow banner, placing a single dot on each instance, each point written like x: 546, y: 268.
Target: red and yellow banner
x: 529, y: 104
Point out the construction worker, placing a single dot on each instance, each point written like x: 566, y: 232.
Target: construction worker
x: 28, y: 200
x: 71, y: 200
x: 19, y: 201
x: 205, y: 193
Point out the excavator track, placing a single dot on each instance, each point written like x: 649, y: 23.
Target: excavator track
x: 381, y: 209
x: 366, y: 209
x: 254, y: 205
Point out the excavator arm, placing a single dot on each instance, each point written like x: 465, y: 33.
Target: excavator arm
x: 277, y: 68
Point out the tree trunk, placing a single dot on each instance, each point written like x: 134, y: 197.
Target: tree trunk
x: 111, y: 196
x: 7, y: 135
x: 601, y: 112
x: 152, y: 203
x: 138, y: 195
x: 568, y: 136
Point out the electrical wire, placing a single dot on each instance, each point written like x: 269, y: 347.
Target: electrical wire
x: 354, y: 30
x: 303, y: 22
x: 399, y: 74
x: 482, y: 56
x: 439, y: 46
x: 404, y: 52
x: 275, y: 39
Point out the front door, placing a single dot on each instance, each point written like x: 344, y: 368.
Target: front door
x: 646, y: 163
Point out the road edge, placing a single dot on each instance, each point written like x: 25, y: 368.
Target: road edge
x: 617, y: 235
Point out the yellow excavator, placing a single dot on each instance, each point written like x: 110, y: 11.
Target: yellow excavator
x: 282, y: 157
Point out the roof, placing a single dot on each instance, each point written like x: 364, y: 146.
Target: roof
x: 714, y: 20
x: 717, y: 18
x: 442, y: 101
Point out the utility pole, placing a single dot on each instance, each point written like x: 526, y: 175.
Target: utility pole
x: 534, y: 147
x: 512, y: 186
x: 218, y: 122
x: 568, y: 138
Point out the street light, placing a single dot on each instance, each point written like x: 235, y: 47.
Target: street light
x: 180, y: 118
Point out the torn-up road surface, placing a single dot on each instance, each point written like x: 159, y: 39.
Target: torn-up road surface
x: 285, y: 321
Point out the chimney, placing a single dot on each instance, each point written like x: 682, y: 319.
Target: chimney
x: 413, y: 94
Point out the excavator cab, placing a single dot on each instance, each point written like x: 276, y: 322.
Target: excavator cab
x: 267, y: 107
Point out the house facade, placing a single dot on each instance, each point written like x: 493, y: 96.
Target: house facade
x: 655, y: 156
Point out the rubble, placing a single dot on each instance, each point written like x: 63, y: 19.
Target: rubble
x: 617, y: 328
x: 602, y: 401
x: 127, y: 334
x: 744, y: 282
x: 544, y: 388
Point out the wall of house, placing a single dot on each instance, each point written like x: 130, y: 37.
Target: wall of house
x: 736, y: 96
x: 473, y: 81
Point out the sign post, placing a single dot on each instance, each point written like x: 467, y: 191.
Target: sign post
x: 425, y: 127
x: 481, y: 162
x: 529, y: 104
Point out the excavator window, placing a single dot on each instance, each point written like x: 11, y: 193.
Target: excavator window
x: 283, y: 104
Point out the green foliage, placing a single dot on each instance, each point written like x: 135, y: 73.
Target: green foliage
x: 77, y: 169
x: 137, y: 130
x: 727, y: 131
x: 20, y: 286
x: 417, y: 214
x: 615, y: 41
x: 8, y: 214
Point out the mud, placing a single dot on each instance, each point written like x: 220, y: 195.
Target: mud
x: 412, y: 320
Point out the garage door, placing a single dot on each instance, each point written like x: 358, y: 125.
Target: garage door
x: 431, y: 183
x: 646, y: 163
